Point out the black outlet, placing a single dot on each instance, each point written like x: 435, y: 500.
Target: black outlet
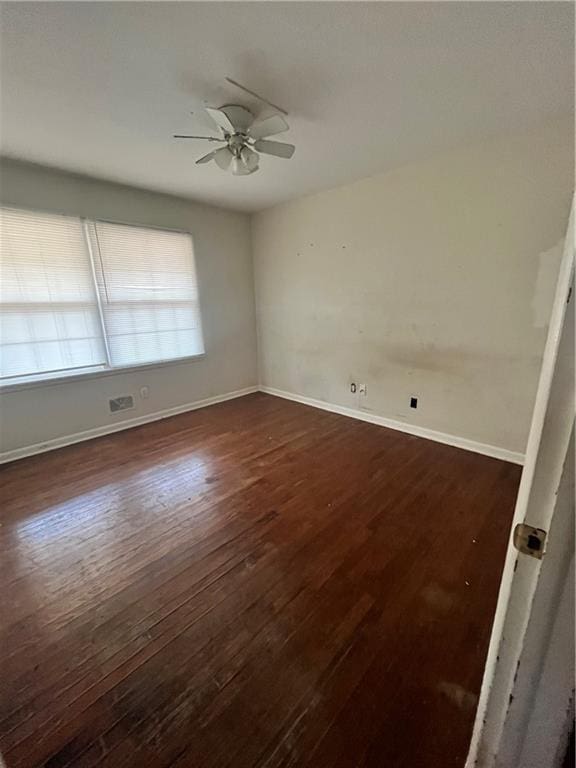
x: 413, y: 402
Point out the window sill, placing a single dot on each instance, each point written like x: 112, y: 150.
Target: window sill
x: 99, y: 374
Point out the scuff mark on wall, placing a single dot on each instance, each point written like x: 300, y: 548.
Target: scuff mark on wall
x: 431, y: 297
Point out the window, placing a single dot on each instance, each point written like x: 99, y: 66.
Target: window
x: 148, y: 293
x: 78, y: 296
x: 49, y: 306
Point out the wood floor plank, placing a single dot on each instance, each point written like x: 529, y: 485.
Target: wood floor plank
x: 256, y: 584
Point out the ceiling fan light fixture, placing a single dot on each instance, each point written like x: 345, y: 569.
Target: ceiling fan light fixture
x: 223, y: 157
x: 238, y: 168
x: 249, y: 158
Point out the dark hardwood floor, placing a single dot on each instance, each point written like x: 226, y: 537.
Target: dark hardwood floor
x: 257, y: 583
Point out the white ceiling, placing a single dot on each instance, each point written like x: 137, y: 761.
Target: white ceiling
x: 99, y: 88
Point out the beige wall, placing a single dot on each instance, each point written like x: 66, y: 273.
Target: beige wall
x: 224, y: 265
x: 434, y: 280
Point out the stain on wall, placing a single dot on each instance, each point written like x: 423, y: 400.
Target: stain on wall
x: 433, y: 280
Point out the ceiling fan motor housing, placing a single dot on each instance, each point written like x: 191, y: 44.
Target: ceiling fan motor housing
x: 236, y: 141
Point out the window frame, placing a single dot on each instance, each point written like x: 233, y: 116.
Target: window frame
x: 35, y: 380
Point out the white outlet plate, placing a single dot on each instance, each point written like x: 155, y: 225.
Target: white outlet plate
x: 362, y: 389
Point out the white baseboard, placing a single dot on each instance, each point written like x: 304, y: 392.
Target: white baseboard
x: 429, y: 434
x: 118, y: 426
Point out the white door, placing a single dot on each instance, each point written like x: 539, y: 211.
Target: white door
x: 531, y: 648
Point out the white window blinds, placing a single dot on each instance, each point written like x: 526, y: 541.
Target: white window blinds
x: 81, y: 295
x: 48, y: 304
x: 148, y: 293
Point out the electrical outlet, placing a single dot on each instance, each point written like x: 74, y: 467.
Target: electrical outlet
x: 353, y: 388
x: 144, y: 393
x: 362, y: 389
x: 413, y: 402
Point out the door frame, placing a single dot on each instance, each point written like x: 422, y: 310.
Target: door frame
x: 521, y: 573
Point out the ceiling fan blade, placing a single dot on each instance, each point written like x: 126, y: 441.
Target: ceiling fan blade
x: 257, y: 96
x: 206, y: 138
x: 240, y: 117
x: 206, y: 158
x: 268, y: 127
x: 249, y: 158
x: 221, y: 119
x: 276, y: 148
x: 223, y: 158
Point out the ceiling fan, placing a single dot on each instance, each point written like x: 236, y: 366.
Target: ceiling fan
x: 244, y: 138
